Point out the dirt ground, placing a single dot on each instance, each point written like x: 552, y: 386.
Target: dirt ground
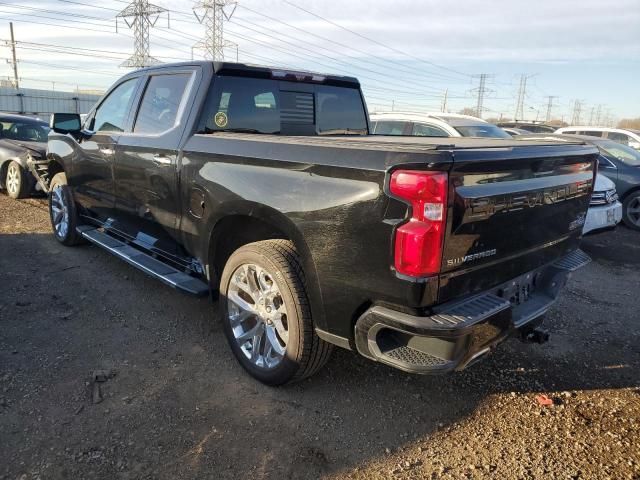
x: 171, y: 402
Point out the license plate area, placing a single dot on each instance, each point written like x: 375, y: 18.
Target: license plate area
x: 519, y: 290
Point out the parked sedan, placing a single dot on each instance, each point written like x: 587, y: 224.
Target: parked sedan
x: 620, y: 163
x: 433, y: 125
x: 20, y: 138
x: 605, y: 211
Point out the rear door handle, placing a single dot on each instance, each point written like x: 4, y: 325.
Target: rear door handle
x: 161, y: 159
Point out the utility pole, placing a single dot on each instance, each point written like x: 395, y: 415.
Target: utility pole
x: 444, y: 101
x: 14, y: 62
x: 140, y: 15
x: 549, y: 106
x: 593, y: 111
x: 482, y: 91
x: 212, y: 16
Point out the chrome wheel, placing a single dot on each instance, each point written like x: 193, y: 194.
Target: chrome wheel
x: 13, y: 179
x: 633, y: 211
x: 59, y: 212
x: 257, y: 315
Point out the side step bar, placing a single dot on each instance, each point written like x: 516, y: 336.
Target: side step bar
x: 155, y: 268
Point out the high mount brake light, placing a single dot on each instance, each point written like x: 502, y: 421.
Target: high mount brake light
x: 419, y: 241
x: 298, y: 76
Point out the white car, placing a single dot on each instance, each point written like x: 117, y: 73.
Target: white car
x: 433, y: 125
x: 605, y: 211
x: 624, y: 136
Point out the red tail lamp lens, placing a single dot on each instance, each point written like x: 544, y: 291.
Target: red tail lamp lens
x: 418, y: 242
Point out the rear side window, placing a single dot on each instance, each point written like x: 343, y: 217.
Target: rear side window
x: 267, y: 106
x: 390, y: 128
x: 591, y: 133
x: 340, y: 111
x: 423, y: 130
x: 622, y: 138
x: 242, y: 104
x: 160, y: 103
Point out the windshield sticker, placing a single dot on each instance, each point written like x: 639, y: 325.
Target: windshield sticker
x: 221, y: 119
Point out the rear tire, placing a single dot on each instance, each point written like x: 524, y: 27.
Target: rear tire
x: 62, y: 211
x: 266, y: 314
x: 631, y: 211
x: 17, y: 181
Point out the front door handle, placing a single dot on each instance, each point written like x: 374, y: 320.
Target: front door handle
x: 107, y: 151
x: 161, y: 159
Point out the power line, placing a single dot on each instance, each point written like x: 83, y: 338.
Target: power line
x: 374, y: 41
x: 385, y: 63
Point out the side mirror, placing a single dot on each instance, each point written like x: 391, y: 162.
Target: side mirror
x: 635, y: 145
x: 65, y: 122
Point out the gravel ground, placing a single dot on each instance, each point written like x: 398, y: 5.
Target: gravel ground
x: 105, y: 373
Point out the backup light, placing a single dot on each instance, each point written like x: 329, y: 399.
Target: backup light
x: 419, y: 241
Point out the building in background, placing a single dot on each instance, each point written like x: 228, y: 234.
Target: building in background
x: 42, y: 103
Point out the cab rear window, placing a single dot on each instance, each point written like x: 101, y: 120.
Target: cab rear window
x: 251, y: 105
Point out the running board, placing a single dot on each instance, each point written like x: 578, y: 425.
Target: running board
x: 149, y: 265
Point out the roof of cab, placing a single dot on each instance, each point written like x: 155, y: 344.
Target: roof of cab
x: 262, y: 71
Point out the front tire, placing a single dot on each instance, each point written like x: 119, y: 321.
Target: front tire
x: 631, y: 211
x: 17, y: 181
x: 266, y: 314
x: 62, y: 211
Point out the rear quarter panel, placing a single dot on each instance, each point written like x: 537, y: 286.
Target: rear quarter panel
x: 329, y: 201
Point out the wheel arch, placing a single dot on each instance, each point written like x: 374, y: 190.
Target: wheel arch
x: 629, y: 192
x: 249, y: 222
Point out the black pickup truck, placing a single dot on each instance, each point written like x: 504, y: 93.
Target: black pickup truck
x: 263, y: 188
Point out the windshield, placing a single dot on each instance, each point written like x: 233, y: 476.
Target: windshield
x: 24, y: 131
x: 487, y: 130
x: 625, y: 154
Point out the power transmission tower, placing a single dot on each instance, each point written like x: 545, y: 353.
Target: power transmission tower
x: 522, y: 93
x: 140, y: 16
x: 213, y: 14
x: 14, y: 62
x: 522, y: 89
x: 598, y: 114
x: 444, y: 101
x: 549, y: 106
x: 481, y: 93
x: 577, y: 111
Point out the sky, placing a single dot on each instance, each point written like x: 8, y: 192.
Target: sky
x: 406, y: 53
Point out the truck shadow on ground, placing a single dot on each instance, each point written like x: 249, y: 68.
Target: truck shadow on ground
x: 180, y: 406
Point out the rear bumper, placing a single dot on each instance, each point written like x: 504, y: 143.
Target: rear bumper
x: 459, y: 333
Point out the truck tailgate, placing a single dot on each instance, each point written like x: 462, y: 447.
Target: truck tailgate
x: 512, y: 210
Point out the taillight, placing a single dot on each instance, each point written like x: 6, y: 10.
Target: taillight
x: 418, y: 242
